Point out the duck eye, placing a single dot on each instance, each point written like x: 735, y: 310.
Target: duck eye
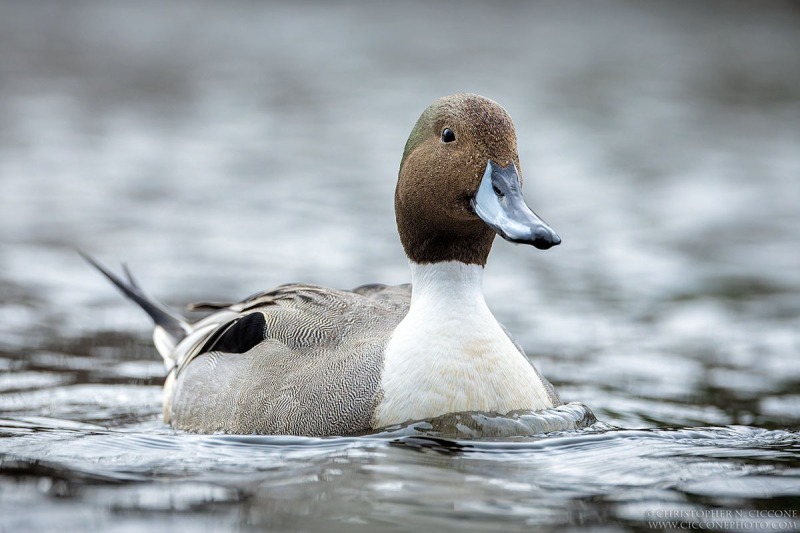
x: 448, y: 136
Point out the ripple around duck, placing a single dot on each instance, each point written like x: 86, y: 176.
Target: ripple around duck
x: 478, y: 425
x: 79, y: 441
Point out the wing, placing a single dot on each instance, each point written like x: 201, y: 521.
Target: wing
x: 293, y: 313
x: 298, y: 359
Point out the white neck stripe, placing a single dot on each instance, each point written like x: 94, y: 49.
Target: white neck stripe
x: 447, y: 281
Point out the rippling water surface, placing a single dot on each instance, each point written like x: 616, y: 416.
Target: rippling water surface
x: 221, y: 150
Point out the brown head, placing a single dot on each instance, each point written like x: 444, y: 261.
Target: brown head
x: 459, y: 184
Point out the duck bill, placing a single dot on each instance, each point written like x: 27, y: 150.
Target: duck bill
x: 499, y: 203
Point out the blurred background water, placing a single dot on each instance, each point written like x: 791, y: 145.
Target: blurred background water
x: 224, y: 148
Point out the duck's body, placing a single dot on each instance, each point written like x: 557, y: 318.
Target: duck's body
x: 308, y: 360
x: 316, y: 361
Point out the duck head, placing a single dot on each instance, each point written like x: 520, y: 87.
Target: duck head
x: 460, y: 184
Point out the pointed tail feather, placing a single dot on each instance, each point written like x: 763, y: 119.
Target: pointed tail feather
x: 174, y: 325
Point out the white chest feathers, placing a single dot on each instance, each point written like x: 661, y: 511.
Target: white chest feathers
x: 450, y: 354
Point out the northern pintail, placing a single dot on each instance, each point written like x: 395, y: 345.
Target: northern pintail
x: 308, y: 360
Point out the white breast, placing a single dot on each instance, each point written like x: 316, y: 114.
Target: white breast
x: 450, y: 354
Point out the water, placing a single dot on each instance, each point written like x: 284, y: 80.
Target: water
x: 223, y: 150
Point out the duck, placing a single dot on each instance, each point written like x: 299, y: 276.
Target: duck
x: 307, y: 360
